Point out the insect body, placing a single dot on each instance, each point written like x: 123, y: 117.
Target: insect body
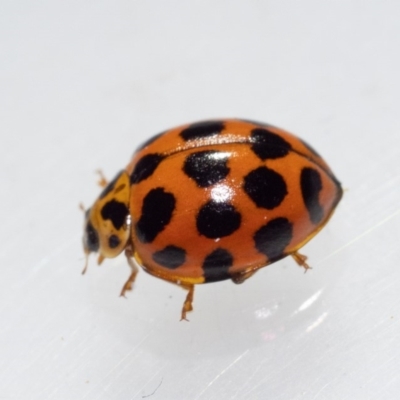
x: 212, y: 201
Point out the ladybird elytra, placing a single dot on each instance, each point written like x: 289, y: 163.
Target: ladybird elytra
x: 211, y: 201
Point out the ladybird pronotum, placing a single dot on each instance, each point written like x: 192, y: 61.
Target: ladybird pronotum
x: 211, y: 201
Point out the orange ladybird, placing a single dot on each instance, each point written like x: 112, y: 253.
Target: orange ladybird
x: 211, y: 201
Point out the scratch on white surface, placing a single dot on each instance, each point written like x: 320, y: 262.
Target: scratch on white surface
x: 386, y: 384
x: 222, y: 373
x: 308, y: 303
x: 128, y: 354
x: 365, y: 233
x: 317, y: 322
x: 279, y: 372
x: 259, y: 366
x: 320, y: 390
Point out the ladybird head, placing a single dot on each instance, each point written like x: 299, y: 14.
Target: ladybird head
x: 107, y: 222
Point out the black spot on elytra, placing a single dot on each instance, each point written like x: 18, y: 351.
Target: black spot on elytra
x: 91, y: 238
x: 110, y: 187
x: 206, y: 167
x: 113, y: 241
x: 216, y: 220
x: 149, y: 141
x: 265, y: 187
x: 216, y: 265
x: 157, y: 209
x: 145, y: 167
x: 201, y: 130
x: 116, y: 212
x: 170, y: 257
x: 268, y: 145
x: 311, y: 185
x: 272, y: 238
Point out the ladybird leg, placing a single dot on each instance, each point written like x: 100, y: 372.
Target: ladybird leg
x: 188, y: 304
x: 301, y: 260
x: 134, y: 270
x: 102, y: 182
x: 241, y: 277
x: 85, y: 267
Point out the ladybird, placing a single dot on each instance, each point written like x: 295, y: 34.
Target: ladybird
x: 210, y: 201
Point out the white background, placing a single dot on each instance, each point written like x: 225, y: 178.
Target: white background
x: 82, y: 84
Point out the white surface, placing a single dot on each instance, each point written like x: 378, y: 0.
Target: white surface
x: 82, y: 83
